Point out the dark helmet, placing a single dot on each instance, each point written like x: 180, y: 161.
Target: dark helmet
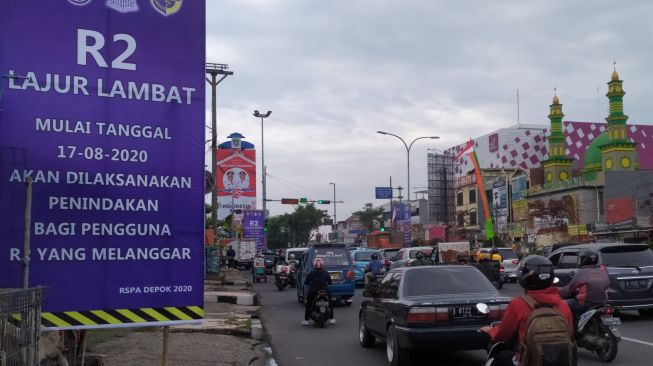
x: 536, y: 273
x: 375, y: 256
x: 419, y: 255
x: 589, y: 258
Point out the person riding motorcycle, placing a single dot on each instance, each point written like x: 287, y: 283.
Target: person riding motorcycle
x: 372, y: 269
x: 589, y: 286
x: 318, y: 279
x: 420, y: 260
x: 292, y: 262
x: 536, y: 278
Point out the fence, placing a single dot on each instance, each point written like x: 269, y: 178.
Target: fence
x: 20, y: 322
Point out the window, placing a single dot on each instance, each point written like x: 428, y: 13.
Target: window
x: 399, y: 255
x: 461, y: 219
x: 555, y: 258
x: 472, y: 219
x: 569, y: 260
x: 460, y: 199
x: 445, y: 280
x: 392, y: 292
x: 333, y: 256
x: 472, y: 196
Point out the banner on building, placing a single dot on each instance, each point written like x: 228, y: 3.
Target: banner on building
x: 236, y: 178
x: 520, y: 210
x: 102, y: 107
x: 519, y: 187
x: 620, y: 210
x: 500, y: 206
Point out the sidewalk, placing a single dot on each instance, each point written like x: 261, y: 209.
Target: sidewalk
x: 230, y: 334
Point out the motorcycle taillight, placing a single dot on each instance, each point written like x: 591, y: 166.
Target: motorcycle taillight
x: 607, y: 311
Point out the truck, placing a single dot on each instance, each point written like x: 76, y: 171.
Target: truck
x: 245, y: 251
x: 444, y: 253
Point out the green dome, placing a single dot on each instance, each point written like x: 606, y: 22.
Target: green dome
x: 594, y: 157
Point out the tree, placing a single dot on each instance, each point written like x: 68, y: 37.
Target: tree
x: 368, y: 215
x: 296, y: 228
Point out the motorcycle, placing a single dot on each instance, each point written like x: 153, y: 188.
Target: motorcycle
x: 597, y: 332
x: 321, y: 309
x: 292, y: 278
x: 281, y: 279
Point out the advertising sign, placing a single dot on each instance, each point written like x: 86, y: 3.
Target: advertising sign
x: 406, y: 225
x: 102, y: 107
x: 236, y: 178
x: 500, y: 206
x: 493, y: 142
x: 519, y: 187
x: 620, y: 210
x: 253, y: 227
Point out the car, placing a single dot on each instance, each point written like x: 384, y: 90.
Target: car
x: 406, y: 255
x: 629, y: 266
x: 417, y: 308
x: 362, y: 258
x: 388, y: 255
x: 296, y: 251
x: 509, y: 264
x: 338, y: 262
x: 270, y: 261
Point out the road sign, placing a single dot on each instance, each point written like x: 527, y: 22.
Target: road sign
x: 383, y: 192
x: 290, y: 201
x: 360, y: 232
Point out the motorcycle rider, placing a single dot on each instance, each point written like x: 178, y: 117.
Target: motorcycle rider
x: 292, y: 263
x: 420, y: 260
x: 589, y: 286
x: 375, y: 267
x: 318, y: 279
x: 536, y: 278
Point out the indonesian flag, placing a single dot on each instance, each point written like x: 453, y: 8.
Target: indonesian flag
x: 467, y: 150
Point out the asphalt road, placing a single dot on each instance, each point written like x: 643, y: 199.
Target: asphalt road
x: 294, y: 345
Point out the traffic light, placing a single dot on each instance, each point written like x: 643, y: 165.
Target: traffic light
x: 323, y: 202
x: 303, y: 200
x: 265, y: 227
x: 382, y: 229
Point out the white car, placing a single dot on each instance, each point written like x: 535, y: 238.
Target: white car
x: 407, y: 255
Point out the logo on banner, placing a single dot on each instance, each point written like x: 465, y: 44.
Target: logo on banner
x: 122, y: 6
x: 167, y: 7
x: 80, y: 2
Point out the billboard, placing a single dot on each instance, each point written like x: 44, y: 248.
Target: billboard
x: 500, y: 206
x: 253, y: 227
x: 102, y: 107
x: 236, y: 178
x: 621, y: 210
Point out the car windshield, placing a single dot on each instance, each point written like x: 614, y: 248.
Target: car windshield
x: 390, y: 253
x: 426, y: 252
x: 364, y: 256
x: 333, y: 256
x: 627, y: 256
x: 445, y: 280
x: 508, y: 254
x: 269, y: 257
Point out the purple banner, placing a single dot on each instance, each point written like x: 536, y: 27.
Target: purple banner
x: 253, y: 227
x: 102, y: 106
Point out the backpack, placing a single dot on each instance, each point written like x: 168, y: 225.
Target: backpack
x: 549, y: 340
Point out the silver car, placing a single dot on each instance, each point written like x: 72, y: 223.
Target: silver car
x: 509, y: 264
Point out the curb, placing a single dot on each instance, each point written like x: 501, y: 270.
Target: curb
x: 228, y: 283
x: 239, y: 298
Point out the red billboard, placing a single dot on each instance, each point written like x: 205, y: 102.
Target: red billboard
x: 620, y: 210
x: 236, y: 179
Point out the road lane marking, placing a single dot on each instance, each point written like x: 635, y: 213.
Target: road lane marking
x: 638, y: 341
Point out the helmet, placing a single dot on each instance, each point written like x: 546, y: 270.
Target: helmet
x: 318, y: 263
x: 419, y: 255
x: 536, y: 273
x: 291, y: 256
x: 375, y: 256
x: 589, y: 258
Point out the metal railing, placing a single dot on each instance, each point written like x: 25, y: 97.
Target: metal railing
x: 20, y: 325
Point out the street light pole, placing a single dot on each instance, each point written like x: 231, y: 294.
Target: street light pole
x: 214, y: 70
x: 335, y: 220
x: 263, y: 179
x: 408, y: 147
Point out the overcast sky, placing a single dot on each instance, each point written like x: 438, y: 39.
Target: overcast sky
x: 334, y: 72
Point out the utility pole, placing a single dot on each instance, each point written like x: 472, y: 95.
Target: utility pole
x: 335, y: 220
x: 214, y: 70
x: 265, y: 213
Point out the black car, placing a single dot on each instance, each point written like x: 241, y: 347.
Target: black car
x: 428, y: 307
x: 630, y: 267
x: 270, y: 261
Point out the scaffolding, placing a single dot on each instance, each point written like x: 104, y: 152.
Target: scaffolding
x: 441, y: 188
x: 20, y: 325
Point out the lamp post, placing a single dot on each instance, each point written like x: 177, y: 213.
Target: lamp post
x: 408, y: 147
x: 262, y: 117
x: 335, y: 220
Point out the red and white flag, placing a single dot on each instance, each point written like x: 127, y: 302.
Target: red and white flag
x: 468, y: 149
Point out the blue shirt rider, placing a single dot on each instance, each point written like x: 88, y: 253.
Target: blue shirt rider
x: 374, y: 268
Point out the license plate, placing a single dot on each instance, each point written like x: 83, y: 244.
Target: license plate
x: 322, y: 304
x: 636, y: 284
x: 335, y: 275
x: 611, y: 320
x: 465, y: 312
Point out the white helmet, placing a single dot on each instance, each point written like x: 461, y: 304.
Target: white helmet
x: 291, y: 256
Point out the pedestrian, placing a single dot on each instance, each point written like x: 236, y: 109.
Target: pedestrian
x: 231, y: 254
